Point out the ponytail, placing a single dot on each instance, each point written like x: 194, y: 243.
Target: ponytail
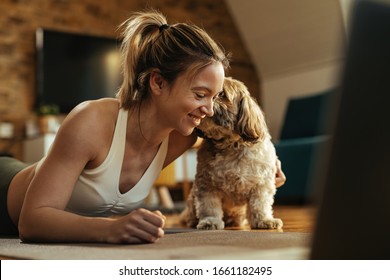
x: 149, y: 43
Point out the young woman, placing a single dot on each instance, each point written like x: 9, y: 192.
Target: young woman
x: 108, y: 152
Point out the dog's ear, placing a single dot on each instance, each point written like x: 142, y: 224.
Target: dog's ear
x: 250, y: 125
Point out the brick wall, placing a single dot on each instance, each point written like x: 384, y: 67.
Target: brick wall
x: 20, y: 18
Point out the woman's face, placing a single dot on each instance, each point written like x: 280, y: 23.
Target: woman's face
x: 187, y: 101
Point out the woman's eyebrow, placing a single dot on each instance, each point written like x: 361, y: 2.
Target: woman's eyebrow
x: 202, y: 88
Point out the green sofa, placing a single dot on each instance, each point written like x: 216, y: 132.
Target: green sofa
x: 303, y: 137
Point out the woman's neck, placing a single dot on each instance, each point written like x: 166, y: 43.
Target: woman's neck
x: 143, y: 129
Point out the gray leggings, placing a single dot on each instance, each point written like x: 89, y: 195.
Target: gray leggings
x: 9, y: 167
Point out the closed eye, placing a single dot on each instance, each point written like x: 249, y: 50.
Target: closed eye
x: 199, y: 95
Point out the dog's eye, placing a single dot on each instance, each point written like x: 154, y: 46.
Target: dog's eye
x: 220, y: 96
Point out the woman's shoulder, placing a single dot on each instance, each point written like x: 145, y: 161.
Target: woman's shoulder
x: 93, y: 108
x: 95, y: 117
x: 89, y: 113
x: 89, y: 127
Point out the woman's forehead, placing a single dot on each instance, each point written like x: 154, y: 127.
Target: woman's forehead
x: 210, y: 77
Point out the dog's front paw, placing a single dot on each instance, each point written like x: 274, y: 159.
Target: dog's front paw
x: 210, y: 223
x: 267, y: 224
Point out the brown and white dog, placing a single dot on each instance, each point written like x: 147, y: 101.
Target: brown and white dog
x: 235, y: 177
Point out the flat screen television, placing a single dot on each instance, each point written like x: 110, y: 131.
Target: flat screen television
x: 72, y: 68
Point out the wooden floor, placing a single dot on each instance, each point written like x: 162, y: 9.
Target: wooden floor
x: 296, y: 218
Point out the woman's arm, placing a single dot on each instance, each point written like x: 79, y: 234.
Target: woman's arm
x: 79, y: 143
x: 280, y: 178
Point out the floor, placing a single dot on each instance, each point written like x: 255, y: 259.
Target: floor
x: 296, y: 218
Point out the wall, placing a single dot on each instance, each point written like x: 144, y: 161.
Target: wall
x: 20, y: 18
x: 296, y: 47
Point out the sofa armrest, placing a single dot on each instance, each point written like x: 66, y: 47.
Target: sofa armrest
x: 299, y: 157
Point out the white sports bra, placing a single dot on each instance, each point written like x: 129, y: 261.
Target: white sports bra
x: 96, y: 192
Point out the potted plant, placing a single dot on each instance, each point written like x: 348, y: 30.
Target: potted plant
x: 48, y: 118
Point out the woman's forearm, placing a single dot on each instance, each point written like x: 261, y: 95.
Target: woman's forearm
x: 52, y: 225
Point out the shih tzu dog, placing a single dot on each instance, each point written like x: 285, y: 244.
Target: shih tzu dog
x: 235, y: 177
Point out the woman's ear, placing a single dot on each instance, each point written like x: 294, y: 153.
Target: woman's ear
x: 156, y: 82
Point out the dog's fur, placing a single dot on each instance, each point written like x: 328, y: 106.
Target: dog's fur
x: 235, y: 178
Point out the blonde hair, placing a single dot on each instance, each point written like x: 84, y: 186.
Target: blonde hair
x: 149, y: 43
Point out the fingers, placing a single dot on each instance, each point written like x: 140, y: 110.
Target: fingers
x: 279, y: 181
x: 278, y: 164
x: 160, y: 216
x: 139, y: 226
x: 280, y: 178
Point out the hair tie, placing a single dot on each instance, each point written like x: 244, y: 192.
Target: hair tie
x: 163, y: 27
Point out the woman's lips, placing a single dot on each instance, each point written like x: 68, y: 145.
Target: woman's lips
x: 196, y: 120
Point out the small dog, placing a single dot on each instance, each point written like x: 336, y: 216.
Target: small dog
x: 235, y: 177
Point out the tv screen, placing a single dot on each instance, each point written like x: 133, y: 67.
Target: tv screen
x: 72, y: 68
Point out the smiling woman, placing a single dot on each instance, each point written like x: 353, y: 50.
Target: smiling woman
x: 192, y: 96
x: 108, y: 152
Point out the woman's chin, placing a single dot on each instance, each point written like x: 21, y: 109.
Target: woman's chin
x: 186, y: 131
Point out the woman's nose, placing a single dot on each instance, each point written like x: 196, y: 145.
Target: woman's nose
x: 208, y: 109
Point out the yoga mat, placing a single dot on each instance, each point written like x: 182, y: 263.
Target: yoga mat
x: 176, y: 244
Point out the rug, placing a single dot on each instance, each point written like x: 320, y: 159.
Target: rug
x: 206, y: 245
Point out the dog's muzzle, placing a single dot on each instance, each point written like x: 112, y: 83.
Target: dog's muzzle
x: 199, y: 133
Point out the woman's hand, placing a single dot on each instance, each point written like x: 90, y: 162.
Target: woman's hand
x: 280, y: 178
x: 139, y: 226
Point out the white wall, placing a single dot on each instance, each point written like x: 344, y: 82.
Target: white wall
x: 346, y: 6
x: 278, y: 91
x: 297, y: 47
